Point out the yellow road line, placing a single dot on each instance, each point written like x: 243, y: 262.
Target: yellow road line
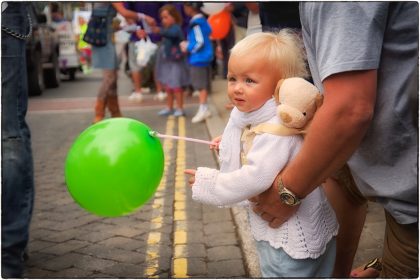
x: 154, y: 237
x: 179, y: 264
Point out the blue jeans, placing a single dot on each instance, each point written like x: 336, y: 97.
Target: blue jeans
x: 17, y: 163
x: 275, y: 263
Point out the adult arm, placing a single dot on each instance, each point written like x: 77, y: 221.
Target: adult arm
x: 128, y: 14
x: 335, y: 133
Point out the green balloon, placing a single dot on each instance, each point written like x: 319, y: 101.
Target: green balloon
x: 114, y: 167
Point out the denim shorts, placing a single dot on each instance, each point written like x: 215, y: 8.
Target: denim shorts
x: 276, y: 263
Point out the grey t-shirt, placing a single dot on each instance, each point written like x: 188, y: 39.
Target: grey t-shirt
x: 347, y: 36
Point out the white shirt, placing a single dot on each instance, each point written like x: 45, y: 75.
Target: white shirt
x: 305, y: 234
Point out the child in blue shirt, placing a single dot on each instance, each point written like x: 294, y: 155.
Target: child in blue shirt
x: 200, y: 56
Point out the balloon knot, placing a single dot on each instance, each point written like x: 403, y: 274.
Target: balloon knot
x: 153, y: 133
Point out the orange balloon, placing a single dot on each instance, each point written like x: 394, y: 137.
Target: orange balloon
x: 220, y: 25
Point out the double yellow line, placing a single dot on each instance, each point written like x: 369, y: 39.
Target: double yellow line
x: 179, y: 262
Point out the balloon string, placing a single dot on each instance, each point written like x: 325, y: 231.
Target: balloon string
x: 157, y: 134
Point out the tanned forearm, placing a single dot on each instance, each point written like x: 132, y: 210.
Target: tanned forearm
x: 336, y: 130
x: 119, y: 6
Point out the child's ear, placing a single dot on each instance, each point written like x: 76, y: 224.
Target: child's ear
x: 276, y: 91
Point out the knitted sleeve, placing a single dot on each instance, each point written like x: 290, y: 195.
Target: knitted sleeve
x: 266, y: 158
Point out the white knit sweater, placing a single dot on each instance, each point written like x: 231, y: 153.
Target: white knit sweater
x: 307, y: 232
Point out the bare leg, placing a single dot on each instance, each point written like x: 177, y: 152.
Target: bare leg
x: 136, y: 76
x: 351, y: 218
x: 203, y: 96
x: 170, y: 99
x: 179, y: 97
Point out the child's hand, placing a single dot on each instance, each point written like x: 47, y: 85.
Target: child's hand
x: 183, y: 45
x: 216, y: 142
x: 155, y: 29
x: 191, y: 179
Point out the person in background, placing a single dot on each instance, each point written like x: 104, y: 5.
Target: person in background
x: 239, y: 14
x: 173, y: 72
x: 200, y: 56
x: 305, y: 246
x: 369, y: 119
x: 57, y: 15
x: 277, y: 15
x: 227, y: 43
x: 105, y: 58
x: 253, y: 21
x: 17, y: 191
x: 151, y: 9
x: 83, y: 47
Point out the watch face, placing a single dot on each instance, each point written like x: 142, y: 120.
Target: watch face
x: 287, y: 198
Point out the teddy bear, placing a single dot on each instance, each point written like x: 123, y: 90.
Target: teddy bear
x: 298, y: 101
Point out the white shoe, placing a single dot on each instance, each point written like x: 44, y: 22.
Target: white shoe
x: 160, y: 96
x: 136, y: 97
x: 201, y: 116
x: 196, y: 93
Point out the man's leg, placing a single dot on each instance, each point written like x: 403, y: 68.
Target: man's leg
x: 400, y: 258
x: 350, y: 208
x: 17, y: 163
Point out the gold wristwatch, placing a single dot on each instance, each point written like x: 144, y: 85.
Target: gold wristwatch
x: 286, y: 196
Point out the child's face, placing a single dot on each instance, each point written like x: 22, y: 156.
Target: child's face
x: 250, y: 82
x: 188, y: 10
x: 166, y: 18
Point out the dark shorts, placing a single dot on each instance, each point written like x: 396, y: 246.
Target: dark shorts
x: 200, y: 77
x: 400, y: 257
x: 345, y: 179
x: 400, y: 251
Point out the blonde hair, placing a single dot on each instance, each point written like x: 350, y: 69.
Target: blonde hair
x: 283, y: 52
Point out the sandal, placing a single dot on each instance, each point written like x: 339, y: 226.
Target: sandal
x: 370, y: 270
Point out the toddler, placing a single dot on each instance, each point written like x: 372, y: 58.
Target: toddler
x: 200, y: 56
x: 304, y: 246
x: 173, y: 71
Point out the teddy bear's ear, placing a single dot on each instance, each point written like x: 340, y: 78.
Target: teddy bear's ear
x: 276, y: 91
x: 318, y: 100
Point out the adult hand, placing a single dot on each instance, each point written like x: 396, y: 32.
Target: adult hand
x: 191, y: 179
x: 269, y: 208
x: 253, y: 7
x: 149, y: 20
x: 229, y: 8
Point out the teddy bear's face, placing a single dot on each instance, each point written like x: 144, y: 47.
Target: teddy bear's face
x: 298, y: 101
x: 295, y: 115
